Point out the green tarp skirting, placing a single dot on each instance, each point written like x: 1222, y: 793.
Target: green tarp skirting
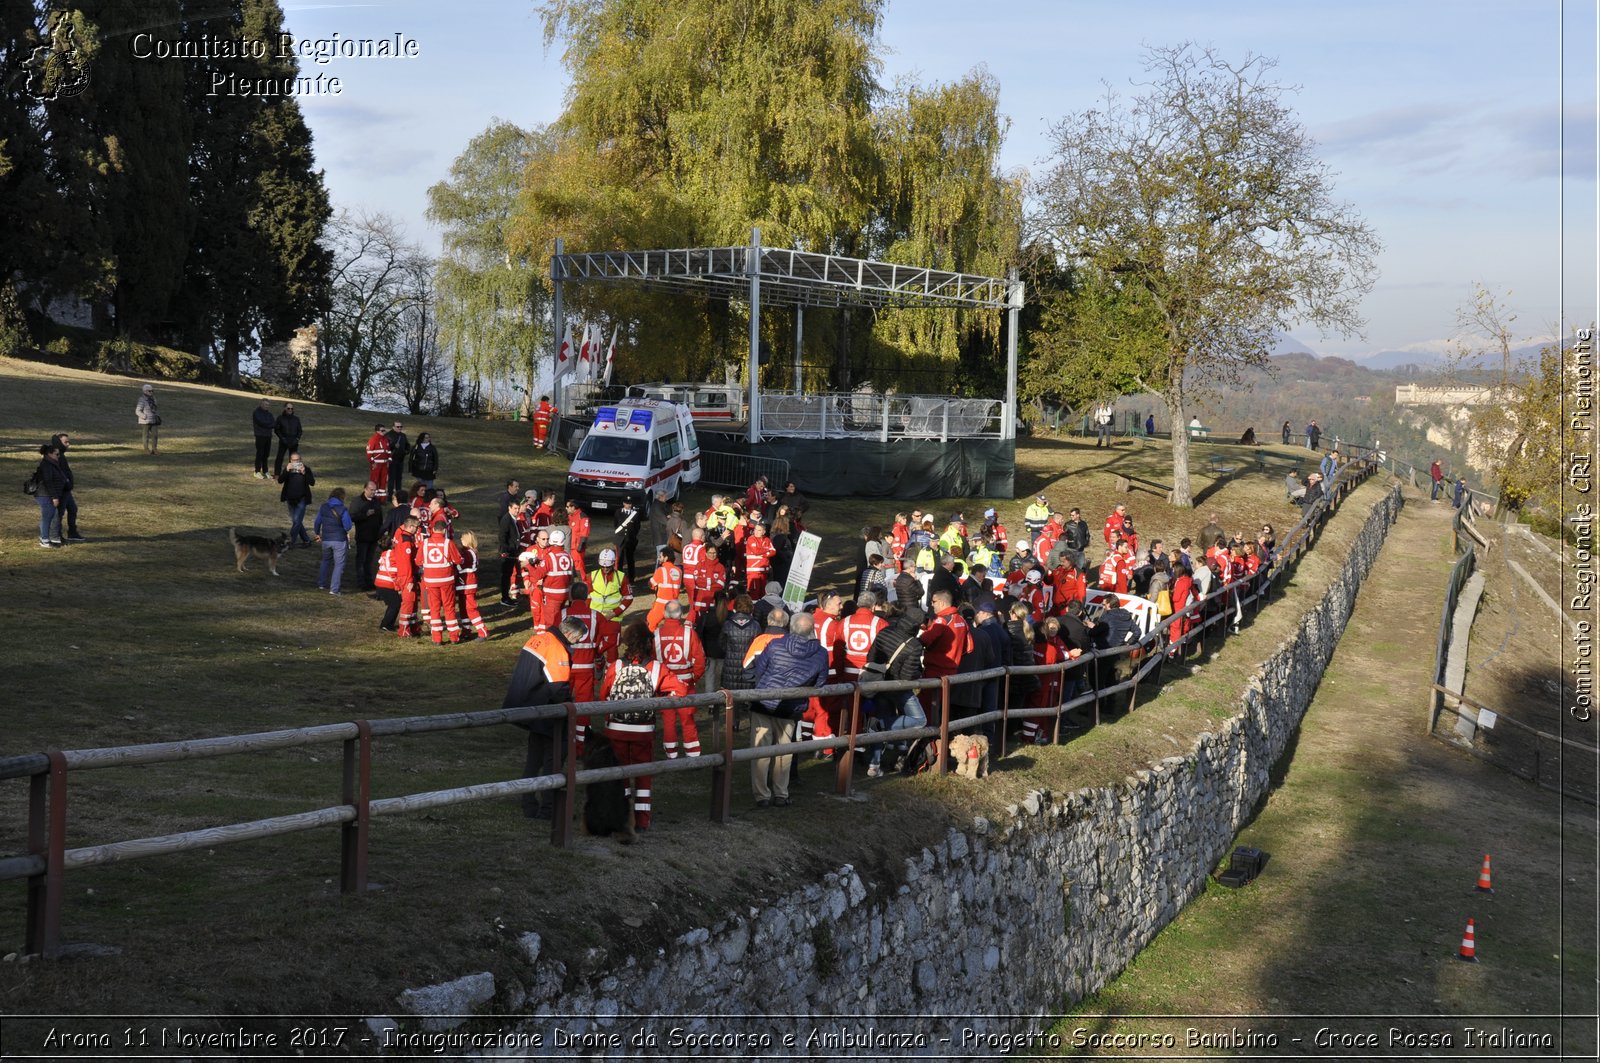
x: 911, y: 469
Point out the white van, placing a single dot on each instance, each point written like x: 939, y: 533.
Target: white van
x: 632, y: 450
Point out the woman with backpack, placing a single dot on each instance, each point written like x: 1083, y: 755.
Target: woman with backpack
x: 633, y: 675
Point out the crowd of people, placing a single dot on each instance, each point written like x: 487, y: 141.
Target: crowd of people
x: 925, y: 603
x: 929, y: 597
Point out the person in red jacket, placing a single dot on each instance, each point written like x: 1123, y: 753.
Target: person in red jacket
x: 694, y: 552
x: 899, y: 539
x: 709, y: 578
x: 544, y: 514
x: 995, y: 532
x: 858, y: 631
x: 440, y: 559
x: 1117, y: 569
x: 667, y: 582
x: 678, y: 647
x: 532, y: 565
x: 584, y: 652
x: 578, y: 525
x: 1066, y: 584
x: 543, y: 417
x: 403, y: 560
x: 467, y: 586
x: 1115, y: 521
x: 758, y: 551
x: 1037, y: 594
x: 945, y: 640
x: 818, y: 719
x: 635, y: 674
x: 1130, y: 536
x: 387, y: 590
x: 555, y: 586
x: 1047, y: 649
x: 1182, y: 597
x: 378, y: 461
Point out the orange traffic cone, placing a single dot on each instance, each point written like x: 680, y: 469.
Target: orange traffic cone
x: 1469, y: 947
x: 1483, y: 877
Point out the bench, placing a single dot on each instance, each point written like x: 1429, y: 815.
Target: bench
x: 1220, y: 466
x: 1199, y: 431
x: 1126, y: 484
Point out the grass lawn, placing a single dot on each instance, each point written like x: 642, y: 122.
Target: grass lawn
x: 147, y: 633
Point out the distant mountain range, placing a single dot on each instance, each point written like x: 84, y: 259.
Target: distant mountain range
x: 1429, y: 354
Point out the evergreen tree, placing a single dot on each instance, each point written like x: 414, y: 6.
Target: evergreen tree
x: 52, y: 244
x: 135, y: 108
x: 256, y: 268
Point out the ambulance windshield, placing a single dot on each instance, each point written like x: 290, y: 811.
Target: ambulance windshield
x: 614, y: 450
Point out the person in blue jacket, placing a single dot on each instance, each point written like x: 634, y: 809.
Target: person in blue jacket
x: 332, y: 529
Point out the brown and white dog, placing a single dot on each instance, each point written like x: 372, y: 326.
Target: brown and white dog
x: 247, y: 546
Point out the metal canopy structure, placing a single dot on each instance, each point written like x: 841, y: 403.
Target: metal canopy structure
x: 756, y: 274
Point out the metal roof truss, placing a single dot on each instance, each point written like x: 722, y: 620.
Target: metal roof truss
x: 787, y: 278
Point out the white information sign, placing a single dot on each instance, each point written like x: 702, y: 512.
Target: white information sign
x: 805, y: 555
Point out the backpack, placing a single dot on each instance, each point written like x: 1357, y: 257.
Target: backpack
x: 30, y: 486
x: 634, y: 681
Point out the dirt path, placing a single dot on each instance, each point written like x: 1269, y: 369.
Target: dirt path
x: 1376, y: 834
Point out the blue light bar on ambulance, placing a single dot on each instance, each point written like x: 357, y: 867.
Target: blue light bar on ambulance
x: 605, y: 415
x: 640, y: 418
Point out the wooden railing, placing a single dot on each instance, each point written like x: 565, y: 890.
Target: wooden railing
x: 48, y: 857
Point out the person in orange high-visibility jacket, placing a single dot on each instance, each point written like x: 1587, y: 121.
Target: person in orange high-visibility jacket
x: 378, y: 461
x: 777, y: 627
x: 543, y: 676
x: 633, y: 675
x: 758, y: 551
x: 440, y: 558
x: 667, y: 582
x: 467, y: 586
x: 543, y: 417
x: 555, y: 585
x: 678, y: 647
x: 709, y: 578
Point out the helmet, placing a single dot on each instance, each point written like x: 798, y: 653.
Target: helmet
x: 1035, y: 576
x: 558, y: 537
x: 608, y: 558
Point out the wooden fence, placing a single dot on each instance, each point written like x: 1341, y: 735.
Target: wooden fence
x: 48, y: 858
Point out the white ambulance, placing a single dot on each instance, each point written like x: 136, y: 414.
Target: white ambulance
x: 633, y: 449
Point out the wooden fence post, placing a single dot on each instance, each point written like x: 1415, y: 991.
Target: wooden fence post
x: 353, y: 836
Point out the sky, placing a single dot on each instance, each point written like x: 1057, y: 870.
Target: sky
x: 1463, y: 131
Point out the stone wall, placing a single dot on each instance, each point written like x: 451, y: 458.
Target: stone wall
x: 1016, y: 919
x: 291, y: 364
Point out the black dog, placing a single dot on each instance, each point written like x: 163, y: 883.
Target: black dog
x: 607, y: 807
